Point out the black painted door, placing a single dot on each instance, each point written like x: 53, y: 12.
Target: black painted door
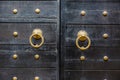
x: 29, y: 40
x: 88, y: 44
x: 90, y: 40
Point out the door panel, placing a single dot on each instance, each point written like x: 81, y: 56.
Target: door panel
x: 92, y: 75
x: 90, y: 41
x: 29, y: 40
x: 25, y: 30
x: 95, y: 33
x: 94, y: 58
x: 93, y: 12
x: 24, y: 47
x: 27, y: 73
x: 27, y: 59
x: 26, y: 9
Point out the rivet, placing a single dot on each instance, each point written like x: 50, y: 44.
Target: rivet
x: 15, y: 11
x: 105, y: 13
x: 37, y: 78
x: 82, y: 58
x: 105, y: 58
x: 15, y: 34
x: 83, y: 13
x: 14, y: 78
x: 15, y: 56
x: 37, y: 11
x: 36, y: 56
x: 105, y: 36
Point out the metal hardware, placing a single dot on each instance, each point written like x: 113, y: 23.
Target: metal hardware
x: 37, y: 34
x: 105, y: 13
x: 105, y: 36
x: 36, y: 56
x: 15, y: 56
x: 14, y: 78
x: 15, y: 11
x: 83, y: 13
x: 37, y: 11
x: 105, y: 58
x: 82, y: 58
x: 83, y: 36
x: 15, y: 34
x: 37, y: 78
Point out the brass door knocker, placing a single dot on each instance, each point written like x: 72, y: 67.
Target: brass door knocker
x: 36, y: 34
x: 82, y: 36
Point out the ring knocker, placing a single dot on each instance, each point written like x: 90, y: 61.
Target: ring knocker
x: 37, y: 34
x: 82, y: 36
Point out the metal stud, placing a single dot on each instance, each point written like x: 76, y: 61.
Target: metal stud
x: 15, y: 11
x: 37, y: 78
x: 105, y: 58
x: 15, y: 34
x: 82, y: 58
x: 105, y: 13
x: 105, y: 35
x: 36, y: 56
x: 14, y: 78
x: 83, y: 13
x: 15, y: 56
x: 37, y: 11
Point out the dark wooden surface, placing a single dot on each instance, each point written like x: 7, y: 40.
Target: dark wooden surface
x: 25, y: 30
x: 94, y: 58
x: 26, y: 9
x: 28, y: 73
x: 95, y: 24
x: 95, y: 32
x: 26, y: 67
x: 71, y: 12
x: 26, y: 59
x: 92, y: 75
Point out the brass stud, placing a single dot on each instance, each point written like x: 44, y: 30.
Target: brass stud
x: 83, y: 13
x: 15, y: 11
x: 105, y: 13
x: 15, y: 56
x: 36, y: 56
x: 105, y: 58
x: 82, y: 58
x: 14, y: 78
x: 37, y: 11
x: 37, y: 78
x: 105, y: 36
x: 15, y: 34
